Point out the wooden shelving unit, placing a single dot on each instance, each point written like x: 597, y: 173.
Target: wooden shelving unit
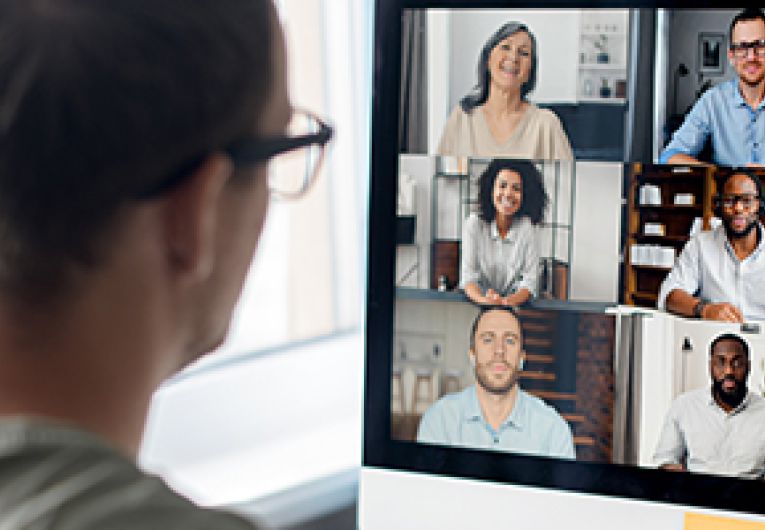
x: 642, y: 281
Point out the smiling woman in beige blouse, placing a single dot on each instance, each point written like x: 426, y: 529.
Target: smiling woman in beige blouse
x: 495, y: 119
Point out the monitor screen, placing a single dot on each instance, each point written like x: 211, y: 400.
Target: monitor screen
x: 564, y: 250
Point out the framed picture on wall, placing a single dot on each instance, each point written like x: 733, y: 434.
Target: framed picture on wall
x: 711, y: 53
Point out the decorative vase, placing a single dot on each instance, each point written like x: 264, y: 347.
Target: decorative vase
x: 605, y: 90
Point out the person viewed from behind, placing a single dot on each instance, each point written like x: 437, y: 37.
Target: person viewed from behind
x: 135, y: 142
x: 500, y: 252
x: 496, y: 119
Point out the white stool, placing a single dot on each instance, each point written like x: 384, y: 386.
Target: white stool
x: 422, y: 396
x: 397, y: 405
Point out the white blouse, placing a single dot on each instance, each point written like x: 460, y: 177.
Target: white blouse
x: 505, y: 265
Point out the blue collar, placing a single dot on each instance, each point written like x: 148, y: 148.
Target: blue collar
x: 517, y: 417
x: 734, y: 94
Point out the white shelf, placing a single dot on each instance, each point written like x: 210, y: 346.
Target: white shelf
x: 595, y: 99
x: 602, y: 66
x: 599, y: 33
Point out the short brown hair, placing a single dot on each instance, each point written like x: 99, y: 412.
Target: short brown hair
x: 749, y: 13
x: 100, y: 101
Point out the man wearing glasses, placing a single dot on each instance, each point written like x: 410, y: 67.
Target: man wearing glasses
x: 140, y: 141
x: 731, y: 113
x: 717, y: 430
x: 719, y: 274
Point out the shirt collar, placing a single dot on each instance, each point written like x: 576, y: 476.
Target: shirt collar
x: 722, y: 235
x: 734, y: 93
x: 494, y: 231
x: 517, y: 417
x: 472, y: 407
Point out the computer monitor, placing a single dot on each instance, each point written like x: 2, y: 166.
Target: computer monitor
x: 522, y: 156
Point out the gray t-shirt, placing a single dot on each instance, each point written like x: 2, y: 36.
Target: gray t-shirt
x: 707, y: 439
x: 57, y: 477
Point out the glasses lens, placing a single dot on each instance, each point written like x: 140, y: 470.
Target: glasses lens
x: 741, y: 49
x: 291, y: 173
x: 747, y: 201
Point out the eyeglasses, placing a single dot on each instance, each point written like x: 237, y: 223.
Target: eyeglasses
x: 294, y: 158
x: 747, y: 200
x: 741, y: 49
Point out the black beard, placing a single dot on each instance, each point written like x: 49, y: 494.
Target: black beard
x: 732, y: 234
x: 732, y: 399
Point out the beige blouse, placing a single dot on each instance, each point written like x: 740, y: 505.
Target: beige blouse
x: 538, y: 136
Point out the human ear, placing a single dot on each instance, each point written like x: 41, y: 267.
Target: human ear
x: 471, y: 358
x: 192, y: 212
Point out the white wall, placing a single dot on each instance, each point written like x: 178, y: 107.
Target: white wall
x: 421, y: 325
x: 685, y: 26
x: 657, y: 377
x: 597, y: 224
x: 439, y: 52
x: 421, y: 169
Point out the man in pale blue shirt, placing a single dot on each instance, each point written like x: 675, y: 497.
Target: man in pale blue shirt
x: 719, y: 274
x: 495, y: 413
x: 731, y: 113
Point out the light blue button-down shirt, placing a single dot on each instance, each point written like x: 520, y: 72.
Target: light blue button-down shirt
x: 533, y: 427
x: 708, y: 267
x: 737, y: 130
